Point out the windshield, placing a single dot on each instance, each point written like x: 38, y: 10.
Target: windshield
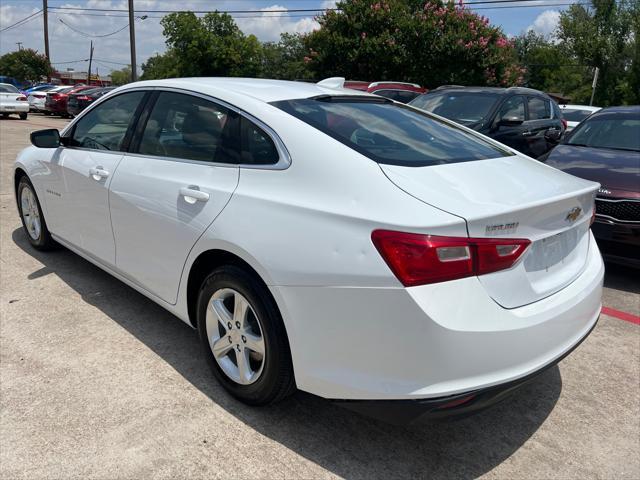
x: 6, y: 88
x: 572, y: 115
x: 390, y: 133
x: 463, y: 107
x: 615, y: 132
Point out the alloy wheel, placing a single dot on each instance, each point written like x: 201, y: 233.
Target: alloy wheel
x: 235, y: 336
x: 30, y: 212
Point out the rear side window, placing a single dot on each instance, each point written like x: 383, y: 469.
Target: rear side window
x: 257, y: 146
x: 539, y: 108
x: 575, y: 115
x: 390, y: 133
x: 192, y: 128
x: 105, y: 126
x: 513, y: 108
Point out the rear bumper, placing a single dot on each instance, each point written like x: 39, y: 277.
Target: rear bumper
x: 20, y: 107
x: 433, y: 341
x: 404, y: 412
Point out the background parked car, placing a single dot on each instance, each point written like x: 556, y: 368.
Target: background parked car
x: 77, y: 102
x: 12, y: 101
x: 398, y: 91
x: 38, y: 88
x: 36, y: 98
x: 522, y: 118
x: 606, y: 148
x: 56, y: 102
x: 574, y: 114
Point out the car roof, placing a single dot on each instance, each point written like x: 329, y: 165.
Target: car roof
x: 633, y: 110
x: 494, y: 90
x: 257, y: 89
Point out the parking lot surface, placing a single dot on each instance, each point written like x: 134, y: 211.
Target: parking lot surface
x: 96, y: 381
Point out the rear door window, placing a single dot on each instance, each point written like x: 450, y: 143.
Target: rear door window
x: 192, y: 128
x: 539, y: 108
x: 257, y: 146
x: 390, y: 133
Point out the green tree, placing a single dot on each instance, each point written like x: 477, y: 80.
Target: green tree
x: 25, y: 65
x: 211, y: 45
x: 432, y: 43
x: 601, y: 35
x: 120, y: 77
x: 160, y: 66
x: 285, y: 59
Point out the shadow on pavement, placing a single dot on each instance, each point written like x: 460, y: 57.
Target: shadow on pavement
x: 339, y: 441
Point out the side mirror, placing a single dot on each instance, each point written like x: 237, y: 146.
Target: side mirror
x: 49, y: 138
x: 510, y: 122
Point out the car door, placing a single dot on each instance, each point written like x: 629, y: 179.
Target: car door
x: 82, y: 171
x: 179, y: 175
x: 509, y: 125
x: 539, y: 125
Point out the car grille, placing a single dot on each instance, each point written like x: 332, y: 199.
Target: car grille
x: 621, y: 210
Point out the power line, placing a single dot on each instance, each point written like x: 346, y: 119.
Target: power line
x: 88, y: 35
x: 22, y: 21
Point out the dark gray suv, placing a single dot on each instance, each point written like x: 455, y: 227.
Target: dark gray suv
x: 522, y: 118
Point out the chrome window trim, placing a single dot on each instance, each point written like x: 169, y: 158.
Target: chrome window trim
x: 284, y: 158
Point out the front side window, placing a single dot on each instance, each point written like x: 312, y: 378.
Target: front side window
x: 390, y: 133
x: 462, y: 107
x: 539, y: 108
x: 105, y: 126
x: 513, y: 109
x: 607, y: 131
x: 192, y: 128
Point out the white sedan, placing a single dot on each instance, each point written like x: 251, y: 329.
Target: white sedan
x: 324, y: 239
x: 574, y: 114
x: 13, y: 102
x: 37, y: 98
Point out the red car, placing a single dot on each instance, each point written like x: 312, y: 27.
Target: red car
x: 398, y: 91
x: 56, y: 102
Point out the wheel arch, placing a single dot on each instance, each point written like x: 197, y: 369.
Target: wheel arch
x: 203, y: 265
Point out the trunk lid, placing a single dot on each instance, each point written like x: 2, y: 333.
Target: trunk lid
x: 513, y: 197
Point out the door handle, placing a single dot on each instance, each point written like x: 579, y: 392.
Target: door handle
x: 528, y: 134
x: 98, y: 173
x: 192, y: 195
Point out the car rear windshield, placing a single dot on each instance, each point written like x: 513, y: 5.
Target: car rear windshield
x: 617, y: 133
x: 463, y: 107
x: 390, y: 133
x: 572, y: 115
x: 6, y: 88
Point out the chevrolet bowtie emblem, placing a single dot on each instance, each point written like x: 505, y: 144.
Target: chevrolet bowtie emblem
x: 573, y: 214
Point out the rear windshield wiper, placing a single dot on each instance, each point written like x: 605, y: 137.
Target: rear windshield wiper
x: 350, y: 99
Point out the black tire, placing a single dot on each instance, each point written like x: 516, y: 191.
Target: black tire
x: 46, y: 112
x: 23, y: 116
x: 276, y: 380
x: 5, y: 115
x: 44, y: 240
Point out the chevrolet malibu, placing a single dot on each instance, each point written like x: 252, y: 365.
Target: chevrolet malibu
x: 324, y: 239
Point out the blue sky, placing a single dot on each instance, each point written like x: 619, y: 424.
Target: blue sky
x: 69, y: 40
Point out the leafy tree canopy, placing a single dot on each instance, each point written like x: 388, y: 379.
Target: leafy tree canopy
x: 25, y: 65
x: 120, y: 77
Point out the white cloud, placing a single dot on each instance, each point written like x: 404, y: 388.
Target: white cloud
x: 546, y: 23
x: 269, y: 26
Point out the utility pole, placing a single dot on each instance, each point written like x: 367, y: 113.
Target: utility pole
x: 45, y: 19
x: 594, y: 84
x: 90, y: 61
x: 19, y: 45
x: 45, y: 16
x: 132, y: 42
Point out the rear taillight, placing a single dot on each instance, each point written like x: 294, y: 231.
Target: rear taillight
x: 417, y: 259
x: 21, y: 98
x: 564, y: 123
